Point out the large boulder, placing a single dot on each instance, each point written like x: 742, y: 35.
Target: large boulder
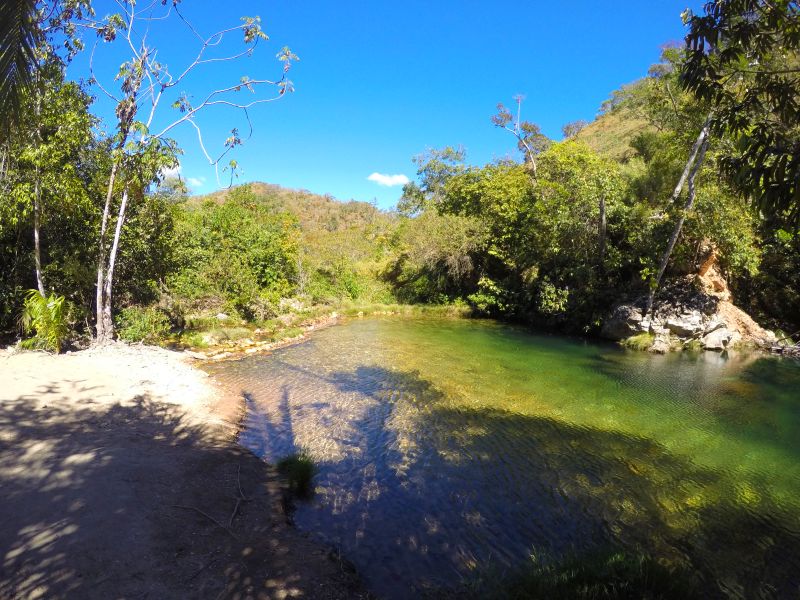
x: 686, y: 325
x: 624, y: 321
x: 720, y: 339
x: 661, y: 344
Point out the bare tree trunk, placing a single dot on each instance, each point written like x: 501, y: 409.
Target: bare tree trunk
x: 3, y: 161
x: 690, y: 172
x: 108, y: 322
x: 37, y: 200
x: 37, y: 251
x: 102, y: 335
x: 601, y: 250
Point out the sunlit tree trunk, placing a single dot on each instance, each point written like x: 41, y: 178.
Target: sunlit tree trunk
x: 108, y: 322
x: 601, y: 243
x: 693, y: 165
x: 37, y: 251
x: 37, y: 197
x: 102, y: 335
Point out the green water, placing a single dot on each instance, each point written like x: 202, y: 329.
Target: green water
x: 448, y: 446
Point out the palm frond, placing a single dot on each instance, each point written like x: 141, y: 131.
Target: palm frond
x: 45, y: 319
x: 17, y: 57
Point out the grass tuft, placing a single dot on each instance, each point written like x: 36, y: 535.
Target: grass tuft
x: 299, y: 469
x: 640, y: 341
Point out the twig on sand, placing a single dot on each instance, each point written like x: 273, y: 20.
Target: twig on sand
x: 207, y: 516
x: 205, y: 566
x: 235, y: 510
x: 239, y: 483
x: 241, y: 498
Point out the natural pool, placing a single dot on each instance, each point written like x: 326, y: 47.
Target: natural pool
x: 446, y: 446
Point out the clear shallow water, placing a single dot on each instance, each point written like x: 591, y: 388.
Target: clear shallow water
x: 445, y: 446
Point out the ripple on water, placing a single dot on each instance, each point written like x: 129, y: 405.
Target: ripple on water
x: 445, y: 446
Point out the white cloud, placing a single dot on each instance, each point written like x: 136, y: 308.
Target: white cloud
x: 171, y: 172
x: 195, y: 182
x: 388, y: 180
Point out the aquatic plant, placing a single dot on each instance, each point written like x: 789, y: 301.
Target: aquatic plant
x: 613, y: 575
x: 299, y: 470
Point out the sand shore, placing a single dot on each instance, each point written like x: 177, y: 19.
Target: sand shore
x: 121, y: 478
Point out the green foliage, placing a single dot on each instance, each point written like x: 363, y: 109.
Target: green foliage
x: 239, y: 255
x: 50, y: 156
x: 552, y: 300
x: 436, y: 257
x: 299, y: 470
x: 137, y: 324
x: 434, y: 169
x: 45, y: 320
x: 554, y: 246
x: 742, y: 58
x: 18, y: 33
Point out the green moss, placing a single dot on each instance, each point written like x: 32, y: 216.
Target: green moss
x: 693, y: 346
x: 194, y: 340
x: 289, y: 332
x: 640, y: 341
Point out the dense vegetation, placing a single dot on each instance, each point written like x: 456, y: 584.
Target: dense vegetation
x: 552, y: 240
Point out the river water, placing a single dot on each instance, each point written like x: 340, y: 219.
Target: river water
x: 446, y: 447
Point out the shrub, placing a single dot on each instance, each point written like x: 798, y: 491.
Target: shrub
x: 46, y: 319
x: 142, y: 324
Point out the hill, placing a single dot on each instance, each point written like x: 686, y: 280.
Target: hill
x: 313, y: 211
x: 611, y: 132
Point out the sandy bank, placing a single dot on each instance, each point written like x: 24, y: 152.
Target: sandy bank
x: 120, y: 479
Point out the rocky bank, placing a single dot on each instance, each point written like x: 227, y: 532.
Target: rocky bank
x: 691, y: 311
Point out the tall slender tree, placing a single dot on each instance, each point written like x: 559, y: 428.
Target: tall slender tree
x: 147, y: 89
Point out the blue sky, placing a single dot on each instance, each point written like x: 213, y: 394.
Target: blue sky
x: 379, y: 82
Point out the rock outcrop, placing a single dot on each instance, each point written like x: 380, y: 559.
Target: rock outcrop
x: 693, y: 310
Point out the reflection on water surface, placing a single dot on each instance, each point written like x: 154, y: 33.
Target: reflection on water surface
x: 445, y: 446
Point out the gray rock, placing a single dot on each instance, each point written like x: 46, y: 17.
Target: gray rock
x: 720, y: 339
x: 714, y: 325
x: 685, y: 325
x: 624, y: 321
x: 661, y: 345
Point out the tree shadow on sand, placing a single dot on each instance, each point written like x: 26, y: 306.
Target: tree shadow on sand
x: 132, y: 500
x: 429, y: 493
